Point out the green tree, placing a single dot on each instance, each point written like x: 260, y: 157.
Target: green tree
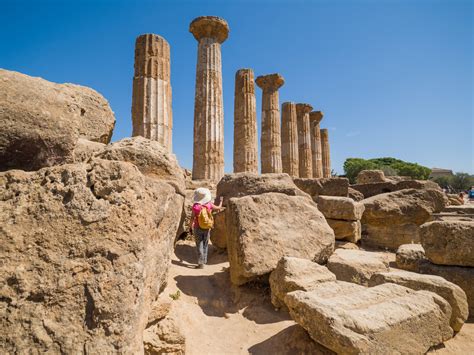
x: 462, y: 181
x: 353, y: 166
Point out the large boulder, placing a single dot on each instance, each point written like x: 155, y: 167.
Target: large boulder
x: 377, y: 188
x: 408, y: 256
x: 355, y: 195
x: 292, y: 274
x: 261, y: 229
x: 393, y: 219
x: 449, y: 242
x: 86, y: 149
x: 370, y: 176
x: 86, y: 250
x: 385, y: 319
x: 449, y: 291
x: 41, y: 121
x: 347, y: 230
x: 324, y: 186
x: 356, y: 266
x: 150, y: 158
x: 461, y: 276
x: 336, y: 207
x: 244, y: 184
x: 219, y: 232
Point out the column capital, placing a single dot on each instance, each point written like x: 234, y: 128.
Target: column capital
x: 209, y: 27
x: 303, y: 108
x: 271, y: 82
x: 315, y: 116
x: 324, y: 133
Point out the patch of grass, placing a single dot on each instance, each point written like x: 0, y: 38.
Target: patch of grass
x: 175, y: 296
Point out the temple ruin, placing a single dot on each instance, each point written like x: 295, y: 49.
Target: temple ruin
x: 315, y: 118
x: 208, y: 152
x: 245, y: 123
x: 289, y: 139
x: 325, y: 153
x: 270, y: 137
x: 152, y: 115
x: 304, y: 140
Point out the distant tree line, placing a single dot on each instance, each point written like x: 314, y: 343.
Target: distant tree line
x: 456, y: 183
x: 390, y: 166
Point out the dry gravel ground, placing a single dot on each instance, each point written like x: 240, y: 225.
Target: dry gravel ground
x: 218, y: 318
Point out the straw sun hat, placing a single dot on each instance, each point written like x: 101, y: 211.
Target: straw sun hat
x: 202, y: 196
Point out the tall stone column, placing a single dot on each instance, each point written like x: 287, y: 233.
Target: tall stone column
x: 304, y: 140
x: 325, y: 153
x: 245, y: 123
x: 270, y: 140
x: 152, y: 116
x: 315, y: 118
x: 208, y: 155
x: 289, y: 139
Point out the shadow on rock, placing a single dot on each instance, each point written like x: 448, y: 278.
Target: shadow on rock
x: 218, y: 297
x: 292, y: 340
x: 188, y: 253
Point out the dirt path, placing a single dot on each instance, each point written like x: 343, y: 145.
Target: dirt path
x: 217, y: 318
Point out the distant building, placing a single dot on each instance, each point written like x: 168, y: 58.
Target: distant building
x: 438, y: 172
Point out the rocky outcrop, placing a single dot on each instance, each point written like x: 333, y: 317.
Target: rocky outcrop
x: 41, y: 121
x: 393, y: 219
x: 323, y: 186
x: 346, y: 230
x: 261, y: 229
x: 357, y: 266
x: 370, y: 176
x: 449, y: 242
x: 408, y: 256
x: 86, y: 250
x: 292, y: 274
x: 150, y: 157
x: 449, y: 291
x: 343, y: 208
x: 384, y: 319
x: 243, y: 184
x: 85, y: 150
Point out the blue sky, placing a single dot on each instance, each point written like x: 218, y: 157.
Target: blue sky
x: 394, y: 78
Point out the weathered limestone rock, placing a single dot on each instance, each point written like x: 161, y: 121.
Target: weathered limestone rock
x: 348, y: 230
x: 164, y: 337
x: 461, y: 210
x: 326, y: 186
x: 355, y: 195
x: 393, y: 219
x: 150, y: 157
x: 408, y: 256
x: 377, y: 188
x: 326, y: 153
x: 289, y: 139
x: 219, y: 232
x: 243, y: 184
x: 261, y: 229
x: 449, y: 291
x: 342, y: 244
x: 270, y: 137
x: 461, y: 276
x: 455, y: 200
x: 292, y: 274
x: 152, y: 114
x: 41, y: 121
x: 356, y: 266
x: 86, y: 251
x: 384, y: 319
x: 85, y: 149
x: 449, y: 242
x: 315, y: 118
x: 245, y: 123
x: 337, y: 207
x: 370, y: 176
x: 208, y: 154
x: 304, y: 140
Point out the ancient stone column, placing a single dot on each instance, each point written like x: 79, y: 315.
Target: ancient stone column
x: 315, y: 118
x: 152, y: 116
x: 245, y: 123
x: 270, y: 141
x: 304, y: 140
x: 289, y: 139
x: 208, y: 155
x: 325, y: 153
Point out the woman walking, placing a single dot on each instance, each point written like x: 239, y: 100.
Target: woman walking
x: 202, y: 222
